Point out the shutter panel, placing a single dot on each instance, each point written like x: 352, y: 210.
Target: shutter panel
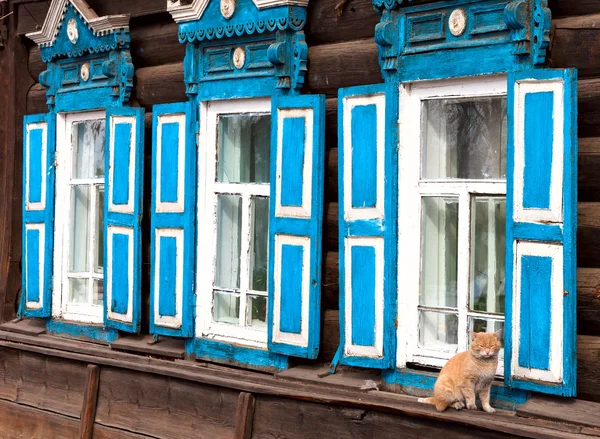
x: 541, y: 231
x: 39, y: 143
x: 296, y: 224
x: 172, y: 233
x: 123, y: 215
x: 368, y: 136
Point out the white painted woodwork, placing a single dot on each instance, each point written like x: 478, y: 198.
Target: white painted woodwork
x: 41, y: 205
x: 129, y: 207
x: 173, y: 322
x: 178, y: 205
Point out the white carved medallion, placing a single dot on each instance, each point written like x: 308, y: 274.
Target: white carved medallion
x: 458, y: 22
x: 72, y: 31
x: 239, y: 57
x: 227, y: 8
x: 85, y: 72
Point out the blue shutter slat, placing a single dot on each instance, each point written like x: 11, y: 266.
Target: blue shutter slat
x: 39, y: 142
x: 296, y: 224
x: 124, y: 164
x: 172, y: 227
x: 367, y: 173
x: 540, y: 339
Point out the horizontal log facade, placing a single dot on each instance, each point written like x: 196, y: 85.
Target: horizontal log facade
x: 342, y: 53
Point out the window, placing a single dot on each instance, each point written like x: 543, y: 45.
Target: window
x: 234, y: 215
x: 79, y: 221
x: 452, y: 214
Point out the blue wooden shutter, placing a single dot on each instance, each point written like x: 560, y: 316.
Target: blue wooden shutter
x: 296, y: 224
x: 123, y: 216
x: 172, y: 232
x: 541, y: 266
x: 39, y: 142
x: 368, y: 135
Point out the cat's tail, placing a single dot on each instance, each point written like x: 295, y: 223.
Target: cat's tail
x: 427, y: 400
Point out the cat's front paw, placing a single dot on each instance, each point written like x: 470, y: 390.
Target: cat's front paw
x: 489, y: 409
x: 471, y: 406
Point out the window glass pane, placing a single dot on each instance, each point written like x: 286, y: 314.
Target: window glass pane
x: 78, y: 290
x: 487, y: 325
x: 79, y: 234
x: 438, y: 331
x: 88, y: 149
x: 99, y: 263
x: 464, y: 138
x: 226, y: 308
x: 439, y: 250
x: 259, y: 243
x: 98, y: 293
x: 229, y: 231
x: 488, y: 224
x: 257, y: 311
x: 244, y: 142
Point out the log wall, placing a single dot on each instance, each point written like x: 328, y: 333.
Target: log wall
x: 342, y: 53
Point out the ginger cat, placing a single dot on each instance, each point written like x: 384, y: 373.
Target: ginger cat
x: 467, y: 375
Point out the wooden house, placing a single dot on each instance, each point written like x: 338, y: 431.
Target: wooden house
x: 281, y: 218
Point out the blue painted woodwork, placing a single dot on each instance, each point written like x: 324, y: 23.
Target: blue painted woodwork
x: 292, y: 157
x: 174, y: 219
x: 539, y: 117
x: 363, y: 295
x: 534, y: 336
x: 106, y: 54
x: 421, y: 382
x: 85, y: 332
x: 271, y: 39
x: 291, y: 288
x: 382, y: 226
x: 127, y: 122
x: 88, y: 67
x: 309, y: 226
x: 37, y: 300
x: 33, y: 239
x: 364, y: 151
x: 540, y: 231
x: 169, y: 172
x: 123, y: 133
x: 36, y: 174
x: 415, y: 41
x: 166, y: 283
x: 120, y: 277
x: 227, y: 353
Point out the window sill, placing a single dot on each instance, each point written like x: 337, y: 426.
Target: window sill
x: 575, y: 416
x: 144, y: 344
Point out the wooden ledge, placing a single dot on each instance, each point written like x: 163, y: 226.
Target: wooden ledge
x: 571, y: 411
x: 260, y: 384
x: 25, y: 326
x: 144, y: 344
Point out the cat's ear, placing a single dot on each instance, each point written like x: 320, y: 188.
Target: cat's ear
x: 500, y: 335
x: 474, y: 334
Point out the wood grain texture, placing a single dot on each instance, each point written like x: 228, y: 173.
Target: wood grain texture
x: 577, y: 412
x: 328, y: 23
x: 90, y: 400
x: 244, y: 416
x: 575, y: 44
x: 21, y: 422
x: 155, y: 405
x: 42, y: 382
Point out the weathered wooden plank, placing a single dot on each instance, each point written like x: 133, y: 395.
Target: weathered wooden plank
x: 260, y: 384
x: 331, y: 21
x: 565, y: 8
x: 244, y: 416
x: 21, y: 422
x: 575, y: 43
x: 588, y: 301
x: 90, y: 401
x: 27, y: 326
x: 557, y: 409
x: 300, y: 420
x: 165, y: 347
x: 50, y: 383
x: 154, y: 405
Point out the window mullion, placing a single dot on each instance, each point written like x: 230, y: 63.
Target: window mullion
x: 92, y: 245
x: 244, y: 255
x: 464, y: 241
x: 491, y: 255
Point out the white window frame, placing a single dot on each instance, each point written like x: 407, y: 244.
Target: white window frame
x: 206, y: 327
x: 61, y: 308
x: 411, y: 189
